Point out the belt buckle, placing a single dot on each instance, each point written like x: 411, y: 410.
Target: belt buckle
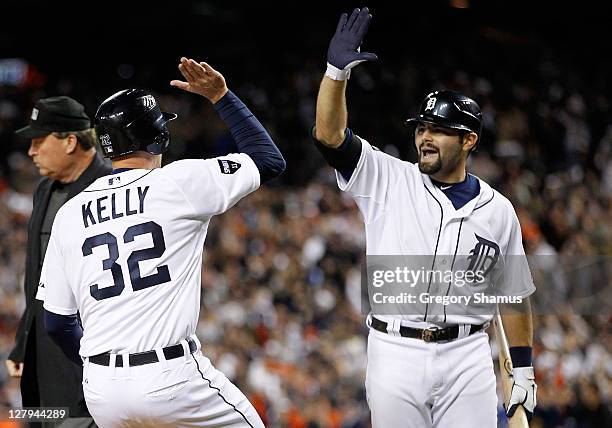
x: 428, y: 334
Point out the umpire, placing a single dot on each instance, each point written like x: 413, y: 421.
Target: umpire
x: 63, y: 149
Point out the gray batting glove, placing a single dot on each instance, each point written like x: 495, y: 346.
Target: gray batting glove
x: 524, y: 391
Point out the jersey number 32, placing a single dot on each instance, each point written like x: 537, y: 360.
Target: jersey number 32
x: 138, y: 282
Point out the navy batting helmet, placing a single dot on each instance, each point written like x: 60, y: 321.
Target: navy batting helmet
x: 451, y: 110
x: 131, y: 120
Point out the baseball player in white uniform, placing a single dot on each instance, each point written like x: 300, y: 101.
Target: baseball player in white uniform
x: 127, y: 255
x: 427, y: 366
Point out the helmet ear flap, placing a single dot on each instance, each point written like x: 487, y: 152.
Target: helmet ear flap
x: 160, y: 143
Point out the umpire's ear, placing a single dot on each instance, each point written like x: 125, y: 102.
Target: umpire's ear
x: 70, y: 144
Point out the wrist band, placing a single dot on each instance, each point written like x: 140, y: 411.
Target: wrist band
x: 521, y: 356
x: 335, y: 73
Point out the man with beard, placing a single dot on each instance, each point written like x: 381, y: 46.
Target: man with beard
x: 428, y: 365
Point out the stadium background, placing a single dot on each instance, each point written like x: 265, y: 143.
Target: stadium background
x: 281, y: 312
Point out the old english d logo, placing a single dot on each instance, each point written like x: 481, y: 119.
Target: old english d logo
x: 483, y: 256
x: 431, y: 103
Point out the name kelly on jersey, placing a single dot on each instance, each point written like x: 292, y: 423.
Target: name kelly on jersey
x: 124, y: 202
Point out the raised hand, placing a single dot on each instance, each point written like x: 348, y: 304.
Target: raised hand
x: 344, y: 48
x: 201, y: 79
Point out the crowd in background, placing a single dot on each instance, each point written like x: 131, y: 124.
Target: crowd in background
x: 281, y: 304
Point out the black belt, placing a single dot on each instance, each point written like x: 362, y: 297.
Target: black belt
x: 147, y: 357
x: 428, y: 334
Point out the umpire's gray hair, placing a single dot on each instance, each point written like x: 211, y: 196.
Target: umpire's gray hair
x: 86, y: 137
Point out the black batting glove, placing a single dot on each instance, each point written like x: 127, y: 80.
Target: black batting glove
x: 344, y: 49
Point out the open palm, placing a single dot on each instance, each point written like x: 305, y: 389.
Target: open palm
x: 201, y: 79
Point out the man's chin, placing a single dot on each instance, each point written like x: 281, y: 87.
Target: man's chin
x: 44, y: 171
x: 429, y: 168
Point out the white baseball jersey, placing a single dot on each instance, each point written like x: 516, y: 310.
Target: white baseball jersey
x: 127, y: 251
x: 405, y: 214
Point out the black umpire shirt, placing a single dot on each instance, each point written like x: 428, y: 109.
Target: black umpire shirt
x: 49, y: 378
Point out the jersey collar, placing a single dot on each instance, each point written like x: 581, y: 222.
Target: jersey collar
x: 120, y: 170
x: 486, y: 193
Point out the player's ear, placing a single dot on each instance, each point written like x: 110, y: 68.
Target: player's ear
x: 469, y: 141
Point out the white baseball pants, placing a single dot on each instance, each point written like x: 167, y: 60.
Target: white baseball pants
x: 182, y: 392
x: 412, y: 383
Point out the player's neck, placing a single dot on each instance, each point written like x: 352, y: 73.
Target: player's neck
x: 456, y: 176
x: 139, y: 160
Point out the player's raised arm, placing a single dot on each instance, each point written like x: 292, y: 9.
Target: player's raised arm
x: 342, y: 55
x: 337, y: 143
x: 248, y: 133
